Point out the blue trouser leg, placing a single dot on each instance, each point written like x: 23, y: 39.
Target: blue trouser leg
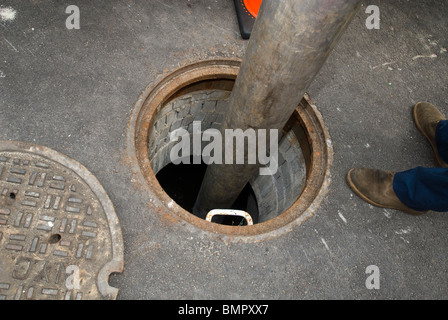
x: 423, y: 188
x: 442, y: 139
x: 426, y: 188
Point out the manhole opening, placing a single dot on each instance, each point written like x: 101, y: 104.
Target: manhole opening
x: 206, y: 103
x: 182, y: 183
x: 200, y: 92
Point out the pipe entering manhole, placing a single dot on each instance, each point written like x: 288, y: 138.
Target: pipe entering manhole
x: 198, y: 94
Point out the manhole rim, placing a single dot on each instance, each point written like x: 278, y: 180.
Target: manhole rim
x: 116, y: 263
x: 160, y: 91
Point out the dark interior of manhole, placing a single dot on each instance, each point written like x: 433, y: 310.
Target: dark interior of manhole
x: 183, y: 181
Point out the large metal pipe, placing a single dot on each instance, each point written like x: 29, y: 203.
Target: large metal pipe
x: 290, y: 42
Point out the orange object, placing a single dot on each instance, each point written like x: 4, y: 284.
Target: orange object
x: 253, y: 6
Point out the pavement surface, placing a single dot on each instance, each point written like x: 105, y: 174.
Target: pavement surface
x: 74, y: 91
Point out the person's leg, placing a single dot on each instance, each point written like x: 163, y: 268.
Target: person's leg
x: 442, y: 139
x: 423, y: 188
x: 433, y: 125
x: 427, y: 188
x: 417, y: 190
x: 376, y: 187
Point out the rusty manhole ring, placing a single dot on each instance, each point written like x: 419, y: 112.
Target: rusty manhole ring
x: 59, y: 235
x: 305, y: 126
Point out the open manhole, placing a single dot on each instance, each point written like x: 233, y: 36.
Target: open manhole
x: 59, y: 235
x: 200, y: 92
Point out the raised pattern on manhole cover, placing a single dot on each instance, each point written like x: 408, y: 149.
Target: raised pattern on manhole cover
x: 59, y: 235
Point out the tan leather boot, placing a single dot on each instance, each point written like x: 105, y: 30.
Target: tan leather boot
x: 376, y: 187
x: 426, y: 117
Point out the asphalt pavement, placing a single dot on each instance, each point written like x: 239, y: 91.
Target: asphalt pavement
x: 74, y: 90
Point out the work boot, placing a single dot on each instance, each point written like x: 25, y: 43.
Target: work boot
x: 376, y: 187
x: 427, y: 117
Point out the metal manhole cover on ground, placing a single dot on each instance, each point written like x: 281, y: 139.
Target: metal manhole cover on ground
x: 59, y: 235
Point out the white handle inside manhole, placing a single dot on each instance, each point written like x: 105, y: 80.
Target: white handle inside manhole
x: 229, y: 212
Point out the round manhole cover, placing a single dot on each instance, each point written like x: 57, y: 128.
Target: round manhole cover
x: 59, y: 235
